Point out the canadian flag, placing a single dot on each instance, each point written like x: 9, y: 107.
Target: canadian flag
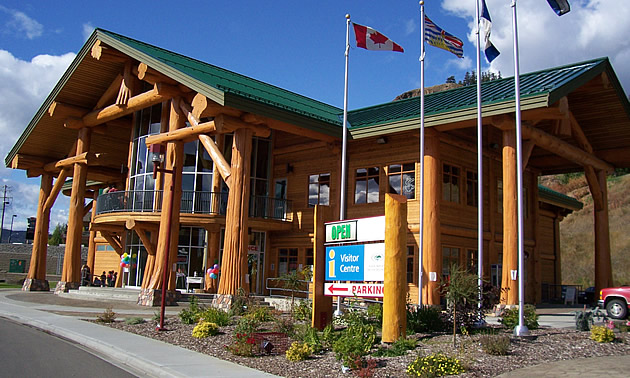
x: 371, y: 39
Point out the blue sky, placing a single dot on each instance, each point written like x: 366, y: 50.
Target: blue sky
x: 296, y: 45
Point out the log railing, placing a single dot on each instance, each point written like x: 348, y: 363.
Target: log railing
x: 192, y: 202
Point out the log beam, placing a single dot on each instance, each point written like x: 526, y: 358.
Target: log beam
x: 21, y: 161
x: 104, y: 53
x: 114, y: 241
x: 217, y: 157
x: 61, y: 179
x: 61, y: 110
x: 109, y: 93
x: 141, y: 229
x: 126, y: 86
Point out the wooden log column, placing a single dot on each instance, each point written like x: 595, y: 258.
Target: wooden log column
x: 395, y: 284
x: 171, y: 204
x: 36, y: 278
x: 322, y: 304
x: 214, y: 238
x: 509, y: 292
x: 234, y: 262
x: 432, y: 256
x: 92, y: 244
x: 603, y: 266
x: 71, y: 274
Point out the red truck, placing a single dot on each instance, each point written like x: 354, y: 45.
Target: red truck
x: 615, y: 300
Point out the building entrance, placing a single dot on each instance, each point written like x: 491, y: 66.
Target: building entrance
x: 256, y: 262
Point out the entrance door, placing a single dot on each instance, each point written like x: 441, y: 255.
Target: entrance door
x: 256, y: 262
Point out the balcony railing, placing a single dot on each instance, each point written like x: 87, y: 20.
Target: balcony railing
x: 147, y: 201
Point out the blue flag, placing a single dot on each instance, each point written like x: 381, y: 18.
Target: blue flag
x: 436, y: 36
x: 485, y: 26
x: 560, y: 6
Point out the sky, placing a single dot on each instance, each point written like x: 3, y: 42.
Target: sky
x: 296, y: 45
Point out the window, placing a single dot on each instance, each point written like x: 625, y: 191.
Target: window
x: 472, y: 199
x: 310, y: 260
x: 450, y: 183
x: 402, y: 179
x: 471, y: 261
x: 450, y: 256
x: 410, y: 266
x: 319, y: 189
x: 287, y: 260
x: 366, y: 185
x: 500, y: 196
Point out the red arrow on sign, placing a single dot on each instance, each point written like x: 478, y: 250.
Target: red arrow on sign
x: 332, y: 289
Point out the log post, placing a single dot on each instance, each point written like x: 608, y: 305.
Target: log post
x: 322, y: 304
x: 169, y: 217
x: 213, y: 258
x: 92, y: 244
x: 71, y: 274
x: 510, y: 220
x: 234, y: 264
x: 395, y: 285
x: 36, y: 278
x: 432, y: 256
x: 603, y: 266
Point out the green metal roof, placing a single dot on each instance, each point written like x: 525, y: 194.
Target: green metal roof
x: 223, y: 86
x: 558, y: 199
x: 546, y: 86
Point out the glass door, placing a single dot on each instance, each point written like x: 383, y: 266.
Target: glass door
x: 256, y: 262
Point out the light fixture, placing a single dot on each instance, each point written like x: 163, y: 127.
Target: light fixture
x: 381, y: 140
x: 157, y: 152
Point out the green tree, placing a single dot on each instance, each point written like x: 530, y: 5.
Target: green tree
x: 294, y: 281
x: 450, y: 80
x: 459, y: 289
x: 57, y: 235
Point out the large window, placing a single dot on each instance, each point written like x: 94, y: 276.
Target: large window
x: 287, y: 260
x: 319, y: 189
x: 402, y: 179
x: 450, y: 256
x: 450, y: 183
x: 366, y: 185
x: 472, y: 199
x: 141, y: 180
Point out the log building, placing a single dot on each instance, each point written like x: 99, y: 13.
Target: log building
x: 242, y: 164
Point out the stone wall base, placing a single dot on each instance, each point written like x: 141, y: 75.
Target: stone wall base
x: 222, y: 301
x: 64, y: 287
x: 33, y: 284
x: 153, y: 297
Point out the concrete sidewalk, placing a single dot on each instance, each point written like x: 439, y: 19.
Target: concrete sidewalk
x: 139, y: 355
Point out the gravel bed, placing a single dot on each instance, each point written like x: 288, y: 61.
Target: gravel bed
x: 545, y: 345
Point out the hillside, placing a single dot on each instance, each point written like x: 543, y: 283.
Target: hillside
x: 576, y: 230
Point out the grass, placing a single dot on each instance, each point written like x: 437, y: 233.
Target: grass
x: 4, y: 285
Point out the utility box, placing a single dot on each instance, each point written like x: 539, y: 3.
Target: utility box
x: 17, y: 266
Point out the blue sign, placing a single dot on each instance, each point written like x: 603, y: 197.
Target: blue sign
x: 345, y: 263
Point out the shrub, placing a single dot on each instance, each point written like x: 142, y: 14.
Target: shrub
x: 435, y: 365
x: 602, y: 334
x: 365, y: 367
x: 309, y: 336
x: 298, y: 352
x: 284, y: 325
x: 244, y: 345
x: 240, y: 302
x: 134, y: 320
x: 375, y: 311
x: 583, y: 320
x: 205, y: 329
x: 398, y: 348
x: 510, y: 317
x: 329, y: 337
x: 108, y: 316
x: 260, y: 314
x: 156, y: 316
x: 215, y: 315
x: 354, y: 342
x: 496, y: 345
x: 424, y: 319
x: 247, y: 325
x: 303, y: 311
x: 354, y: 318
x: 192, y: 313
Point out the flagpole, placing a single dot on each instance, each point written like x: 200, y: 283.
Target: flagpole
x: 479, y: 166
x: 421, y: 216
x: 521, y: 329
x: 344, y: 144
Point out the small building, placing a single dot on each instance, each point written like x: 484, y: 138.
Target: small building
x: 186, y: 160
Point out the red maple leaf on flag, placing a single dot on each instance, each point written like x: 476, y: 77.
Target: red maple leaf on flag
x: 378, y: 38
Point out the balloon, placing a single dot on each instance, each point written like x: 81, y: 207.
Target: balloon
x: 209, y: 271
x: 216, y: 266
x: 122, y: 264
x: 125, y: 255
x: 213, y: 276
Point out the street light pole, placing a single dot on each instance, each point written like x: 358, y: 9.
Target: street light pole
x: 11, y: 232
x: 4, y: 204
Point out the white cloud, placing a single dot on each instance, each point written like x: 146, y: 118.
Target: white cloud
x: 88, y: 28
x: 593, y: 29
x: 25, y: 85
x: 411, y: 26
x: 22, y: 23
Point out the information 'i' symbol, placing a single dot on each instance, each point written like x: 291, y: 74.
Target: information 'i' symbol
x: 331, y: 263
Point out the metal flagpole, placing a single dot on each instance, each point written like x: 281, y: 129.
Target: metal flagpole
x: 479, y: 166
x: 342, y: 196
x: 421, y: 216
x: 521, y: 329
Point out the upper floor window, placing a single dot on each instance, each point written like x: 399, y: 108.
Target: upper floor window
x: 366, y: 185
x: 472, y: 198
x: 402, y: 179
x: 319, y: 189
x: 450, y: 183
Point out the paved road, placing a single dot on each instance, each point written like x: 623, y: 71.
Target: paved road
x: 28, y: 352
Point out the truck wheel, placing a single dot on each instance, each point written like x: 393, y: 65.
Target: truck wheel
x: 617, y: 309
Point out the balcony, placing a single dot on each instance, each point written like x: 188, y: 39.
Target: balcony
x: 213, y: 203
